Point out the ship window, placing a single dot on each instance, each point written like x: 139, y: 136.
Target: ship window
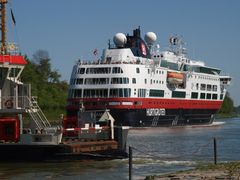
x: 209, y: 87
x: 77, y: 93
x: 203, y: 87
x: 209, y: 96
x: 221, y: 96
x: 148, y: 71
x: 120, y: 92
x: 14, y: 72
x: 137, y: 70
x: 3, y: 75
x: 194, y: 95
x: 81, y: 70
x: 170, y: 65
x: 164, y: 63
x: 79, y: 81
x: 141, y: 92
x: 125, y: 80
x: 102, y: 70
x: 202, y: 96
x: 197, y: 85
x: 178, y: 94
x: 95, y: 93
x: 134, y: 80
x: 214, y: 87
x: 214, y: 96
x: 145, y: 80
x: 120, y: 80
x: 117, y: 70
x: 185, y: 67
x: 156, y: 93
x: 208, y: 70
x: 173, y: 66
x: 96, y: 81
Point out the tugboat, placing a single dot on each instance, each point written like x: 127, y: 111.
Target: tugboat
x: 86, y: 138
x: 144, y: 86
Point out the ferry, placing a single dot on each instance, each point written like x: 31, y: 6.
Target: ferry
x: 145, y: 86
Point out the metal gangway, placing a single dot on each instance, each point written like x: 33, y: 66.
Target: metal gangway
x: 36, y: 114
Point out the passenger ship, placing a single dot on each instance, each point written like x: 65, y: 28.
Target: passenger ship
x: 144, y: 86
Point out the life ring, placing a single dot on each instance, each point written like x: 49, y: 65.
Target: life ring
x: 8, y: 103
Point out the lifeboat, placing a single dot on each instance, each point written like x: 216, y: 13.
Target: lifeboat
x: 175, y: 78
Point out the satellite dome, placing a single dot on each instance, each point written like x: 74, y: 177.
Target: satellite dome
x: 119, y: 39
x: 150, y: 37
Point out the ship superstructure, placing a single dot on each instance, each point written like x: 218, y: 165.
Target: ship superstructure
x: 145, y: 86
x: 16, y: 100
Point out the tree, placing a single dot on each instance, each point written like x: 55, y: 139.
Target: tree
x: 43, y: 61
x: 46, y: 83
x: 227, y: 106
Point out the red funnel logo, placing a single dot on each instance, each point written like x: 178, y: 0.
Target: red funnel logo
x: 143, y: 48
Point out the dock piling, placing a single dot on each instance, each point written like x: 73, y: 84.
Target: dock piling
x: 130, y: 163
x: 215, y: 150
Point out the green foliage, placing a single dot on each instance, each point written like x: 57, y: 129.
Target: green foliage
x: 227, y: 106
x: 237, y: 110
x: 46, y: 84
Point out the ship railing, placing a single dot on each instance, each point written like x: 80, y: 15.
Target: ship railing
x: 15, y: 102
x: 102, y: 62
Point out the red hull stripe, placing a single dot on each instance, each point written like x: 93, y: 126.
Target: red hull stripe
x: 143, y: 103
x: 12, y: 59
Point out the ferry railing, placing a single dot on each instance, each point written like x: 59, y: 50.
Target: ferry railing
x: 126, y: 61
x: 18, y: 102
x: 37, y: 114
x: 14, y: 102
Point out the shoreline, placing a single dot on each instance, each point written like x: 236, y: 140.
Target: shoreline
x: 229, y: 170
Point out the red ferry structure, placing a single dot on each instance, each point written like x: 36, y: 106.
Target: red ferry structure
x: 82, y: 139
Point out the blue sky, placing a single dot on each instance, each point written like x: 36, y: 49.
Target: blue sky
x: 72, y: 29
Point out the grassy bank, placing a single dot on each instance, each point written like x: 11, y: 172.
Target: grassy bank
x: 229, y: 170
x: 231, y: 115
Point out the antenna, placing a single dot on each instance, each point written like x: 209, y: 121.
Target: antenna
x: 176, y: 45
x: 3, y: 27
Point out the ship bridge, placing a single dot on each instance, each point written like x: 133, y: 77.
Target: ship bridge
x: 11, y: 89
x: 15, y: 97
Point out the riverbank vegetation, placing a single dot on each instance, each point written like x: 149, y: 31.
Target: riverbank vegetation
x: 46, y: 85
x: 228, y: 110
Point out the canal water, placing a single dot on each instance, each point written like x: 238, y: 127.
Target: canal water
x: 155, y: 151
